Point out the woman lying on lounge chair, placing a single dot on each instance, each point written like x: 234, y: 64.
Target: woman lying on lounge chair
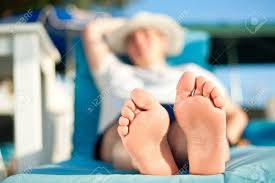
x: 170, y: 115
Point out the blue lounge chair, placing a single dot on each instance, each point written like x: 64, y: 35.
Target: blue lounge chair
x: 248, y: 164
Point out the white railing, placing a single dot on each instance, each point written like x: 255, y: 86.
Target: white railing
x: 27, y: 49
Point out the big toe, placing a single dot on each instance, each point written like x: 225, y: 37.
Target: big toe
x: 185, y: 86
x: 200, y: 81
x: 142, y: 99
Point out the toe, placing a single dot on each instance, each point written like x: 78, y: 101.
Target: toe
x: 127, y: 113
x: 123, y: 121
x: 142, y: 99
x: 185, y: 86
x: 130, y: 104
x: 200, y: 81
x: 122, y: 131
x: 207, y: 88
x: 217, y: 98
x: 219, y: 102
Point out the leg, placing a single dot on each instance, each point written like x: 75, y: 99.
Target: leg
x: 113, y: 151
x: 143, y: 129
x: 178, y: 144
x: 201, y: 116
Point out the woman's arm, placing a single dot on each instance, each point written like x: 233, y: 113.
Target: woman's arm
x: 236, y: 119
x: 95, y: 46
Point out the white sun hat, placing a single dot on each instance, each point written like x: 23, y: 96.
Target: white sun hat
x: 163, y: 23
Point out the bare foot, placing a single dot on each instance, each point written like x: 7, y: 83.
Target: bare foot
x: 143, y: 127
x: 199, y: 112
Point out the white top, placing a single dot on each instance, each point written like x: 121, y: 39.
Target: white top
x: 116, y: 80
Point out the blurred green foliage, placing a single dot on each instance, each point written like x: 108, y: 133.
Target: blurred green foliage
x: 10, y: 7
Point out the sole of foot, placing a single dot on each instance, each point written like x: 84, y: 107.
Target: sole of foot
x: 199, y: 110
x: 143, y: 128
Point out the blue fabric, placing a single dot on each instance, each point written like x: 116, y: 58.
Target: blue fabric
x: 7, y: 151
x: 86, y: 108
x: 87, y: 97
x: 113, y: 178
x: 260, y: 132
x: 247, y: 164
x: 196, y: 50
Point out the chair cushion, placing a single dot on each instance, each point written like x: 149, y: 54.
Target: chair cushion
x: 247, y: 164
x: 260, y: 132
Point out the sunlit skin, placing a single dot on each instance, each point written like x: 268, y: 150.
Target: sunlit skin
x: 146, y: 47
x: 144, y: 124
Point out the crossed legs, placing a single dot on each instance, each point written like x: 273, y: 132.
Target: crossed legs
x: 147, y: 142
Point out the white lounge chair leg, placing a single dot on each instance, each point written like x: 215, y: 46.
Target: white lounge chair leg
x: 27, y: 90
